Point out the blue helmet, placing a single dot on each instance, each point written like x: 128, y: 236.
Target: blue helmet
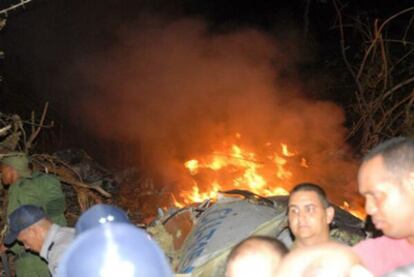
x: 100, y: 214
x: 116, y: 249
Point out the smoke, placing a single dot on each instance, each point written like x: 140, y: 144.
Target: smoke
x: 178, y: 90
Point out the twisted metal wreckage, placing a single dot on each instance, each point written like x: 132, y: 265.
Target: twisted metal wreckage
x: 196, y: 238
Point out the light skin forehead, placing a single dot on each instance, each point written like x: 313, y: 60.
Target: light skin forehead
x: 255, y: 258
x: 303, y: 198
x: 373, y: 175
x: 252, y: 265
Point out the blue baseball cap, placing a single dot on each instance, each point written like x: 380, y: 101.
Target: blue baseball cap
x: 21, y: 218
x: 99, y: 215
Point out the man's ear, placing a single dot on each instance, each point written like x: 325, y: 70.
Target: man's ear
x: 330, y: 213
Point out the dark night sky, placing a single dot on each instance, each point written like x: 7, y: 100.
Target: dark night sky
x: 41, y: 42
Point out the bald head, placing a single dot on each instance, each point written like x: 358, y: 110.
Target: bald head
x: 258, y: 255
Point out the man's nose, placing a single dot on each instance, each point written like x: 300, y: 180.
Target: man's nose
x: 302, y: 216
x: 370, y: 207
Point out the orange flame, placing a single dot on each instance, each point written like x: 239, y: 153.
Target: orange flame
x: 192, y: 166
x: 236, y: 166
x: 286, y: 151
x: 304, y: 163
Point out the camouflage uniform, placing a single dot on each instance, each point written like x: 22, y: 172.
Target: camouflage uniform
x: 45, y: 191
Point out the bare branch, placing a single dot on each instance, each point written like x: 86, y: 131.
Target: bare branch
x: 83, y: 185
x: 34, y: 135
x: 397, y: 87
x: 6, y: 11
x: 380, y: 111
x: 388, y: 20
x: 5, y: 129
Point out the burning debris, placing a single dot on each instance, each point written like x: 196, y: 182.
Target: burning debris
x: 243, y: 171
x: 198, y: 238
x: 273, y: 170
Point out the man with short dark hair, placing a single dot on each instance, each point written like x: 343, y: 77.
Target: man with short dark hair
x: 255, y: 256
x: 386, y: 180
x: 309, y: 215
x: 29, y: 225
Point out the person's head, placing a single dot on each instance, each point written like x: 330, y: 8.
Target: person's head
x: 116, y: 249
x: 29, y: 225
x: 386, y: 180
x: 325, y: 259
x: 257, y: 255
x: 98, y: 215
x: 14, y: 166
x: 309, y: 214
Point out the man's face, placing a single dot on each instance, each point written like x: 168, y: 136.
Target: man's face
x: 7, y: 173
x: 308, y: 218
x: 30, y: 239
x: 389, y: 199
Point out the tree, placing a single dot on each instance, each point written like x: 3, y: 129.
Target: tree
x: 380, y: 60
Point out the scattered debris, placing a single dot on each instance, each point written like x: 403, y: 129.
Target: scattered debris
x: 198, y: 239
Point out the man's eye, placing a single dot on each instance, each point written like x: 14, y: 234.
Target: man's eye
x: 293, y: 211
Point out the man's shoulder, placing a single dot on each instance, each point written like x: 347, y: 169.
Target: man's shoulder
x: 37, y: 179
x: 373, y: 242
x: 44, y: 179
x: 377, y: 245
x: 67, y: 230
x: 383, y: 254
x: 57, y: 235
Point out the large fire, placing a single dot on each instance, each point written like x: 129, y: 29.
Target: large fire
x: 270, y: 171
